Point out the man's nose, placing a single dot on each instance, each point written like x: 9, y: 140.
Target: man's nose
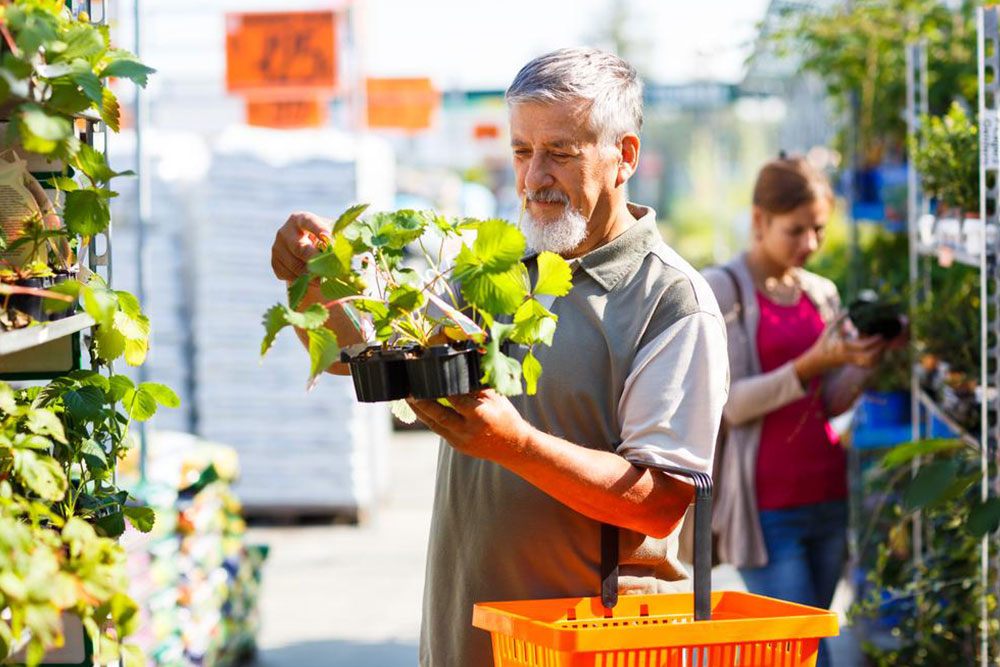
x: 537, y: 175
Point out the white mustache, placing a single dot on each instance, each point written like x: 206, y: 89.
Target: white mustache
x: 547, y: 196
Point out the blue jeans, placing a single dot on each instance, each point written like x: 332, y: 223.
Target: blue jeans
x: 806, y: 548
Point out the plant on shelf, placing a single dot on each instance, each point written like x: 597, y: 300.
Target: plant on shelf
x: 433, y: 334
x: 946, y: 154
x: 54, y: 72
x: 923, y: 604
x: 61, y: 508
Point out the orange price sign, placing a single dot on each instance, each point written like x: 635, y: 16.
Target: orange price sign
x: 405, y: 104
x: 286, y: 114
x: 281, y: 52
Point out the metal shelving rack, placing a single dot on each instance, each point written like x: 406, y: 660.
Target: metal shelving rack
x: 986, y: 260
x: 28, y: 350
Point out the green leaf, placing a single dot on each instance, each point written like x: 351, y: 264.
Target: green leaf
x: 89, y: 84
x: 132, y: 656
x: 313, y: 317
x: 929, y: 484
x: 133, y: 328
x: 348, y: 216
x: 119, y: 386
x: 334, y: 261
x: 110, y: 110
x: 338, y: 288
x: 554, y: 275
x: 499, y: 245
x: 274, y: 322
x: 93, y: 163
x: 67, y: 97
x: 8, y: 403
x: 496, y: 293
x: 532, y: 370
x: 43, y: 125
x: 323, y: 352
x: 402, y: 411
x: 85, y: 403
x: 109, y: 344
x: 135, y: 351
x: 112, y: 525
x: 131, y: 69
x: 984, y: 517
x: 161, y: 393
x: 500, y: 371
x: 908, y: 451
x: 86, y: 212
x: 63, y: 183
x: 140, y: 404
x: 94, y: 453
x: 297, y: 291
x: 82, y: 41
x: 405, y: 299
x: 40, y: 473
x: 533, y: 323
x: 141, y: 518
x: 43, y: 421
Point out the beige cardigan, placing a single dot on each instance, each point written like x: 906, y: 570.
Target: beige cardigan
x: 752, y: 395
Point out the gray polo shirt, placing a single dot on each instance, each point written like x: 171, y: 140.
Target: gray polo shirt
x: 638, y: 365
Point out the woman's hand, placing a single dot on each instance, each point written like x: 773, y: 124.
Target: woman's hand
x: 832, y: 350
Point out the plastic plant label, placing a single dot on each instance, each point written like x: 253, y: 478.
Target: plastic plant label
x: 16, y: 205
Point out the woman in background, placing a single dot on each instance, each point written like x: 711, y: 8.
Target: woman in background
x: 781, y: 508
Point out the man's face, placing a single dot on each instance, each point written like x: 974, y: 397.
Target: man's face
x: 557, y: 156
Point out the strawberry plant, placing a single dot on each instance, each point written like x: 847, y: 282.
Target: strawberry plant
x: 455, y: 317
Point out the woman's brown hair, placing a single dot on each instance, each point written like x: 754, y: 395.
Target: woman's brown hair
x: 786, y: 183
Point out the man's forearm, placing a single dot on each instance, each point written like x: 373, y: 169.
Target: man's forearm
x: 600, y: 484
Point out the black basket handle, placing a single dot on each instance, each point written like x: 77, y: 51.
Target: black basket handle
x: 702, y: 543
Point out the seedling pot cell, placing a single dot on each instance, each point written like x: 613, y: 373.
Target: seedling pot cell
x: 379, y: 375
x: 33, y: 305
x: 442, y: 370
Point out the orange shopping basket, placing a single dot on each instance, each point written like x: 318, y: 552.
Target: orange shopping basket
x: 724, y: 629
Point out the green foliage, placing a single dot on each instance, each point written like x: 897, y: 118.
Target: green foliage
x: 407, y: 309
x: 60, y: 510
x: 946, y: 154
x: 856, y: 50
x: 931, y: 597
x: 60, y: 507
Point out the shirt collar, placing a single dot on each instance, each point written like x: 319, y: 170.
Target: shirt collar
x: 614, y: 260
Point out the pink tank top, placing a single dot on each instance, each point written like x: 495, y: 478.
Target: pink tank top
x: 800, y: 460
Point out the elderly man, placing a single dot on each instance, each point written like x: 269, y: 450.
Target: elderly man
x: 638, y: 367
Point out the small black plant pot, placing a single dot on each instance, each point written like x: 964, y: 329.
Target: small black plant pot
x: 379, y: 375
x: 876, y: 318
x: 33, y: 306
x: 445, y: 370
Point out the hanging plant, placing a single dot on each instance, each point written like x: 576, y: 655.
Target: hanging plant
x: 432, y: 335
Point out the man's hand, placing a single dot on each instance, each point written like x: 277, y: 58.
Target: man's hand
x: 484, y: 424
x: 296, y: 242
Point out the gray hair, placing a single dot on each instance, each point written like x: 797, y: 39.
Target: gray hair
x: 609, y: 84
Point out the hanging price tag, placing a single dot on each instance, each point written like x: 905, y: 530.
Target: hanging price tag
x: 989, y: 139
x: 281, y: 52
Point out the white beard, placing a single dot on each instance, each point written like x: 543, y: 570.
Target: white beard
x: 560, y: 236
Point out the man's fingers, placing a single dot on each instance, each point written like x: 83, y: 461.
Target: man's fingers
x: 433, y: 413
x: 467, y: 403
x: 315, y: 225
x: 284, y: 269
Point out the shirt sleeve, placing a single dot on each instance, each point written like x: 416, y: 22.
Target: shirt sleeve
x: 671, y: 407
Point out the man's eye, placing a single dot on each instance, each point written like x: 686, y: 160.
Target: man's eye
x: 560, y: 156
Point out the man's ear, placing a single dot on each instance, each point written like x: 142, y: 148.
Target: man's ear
x: 628, y: 159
